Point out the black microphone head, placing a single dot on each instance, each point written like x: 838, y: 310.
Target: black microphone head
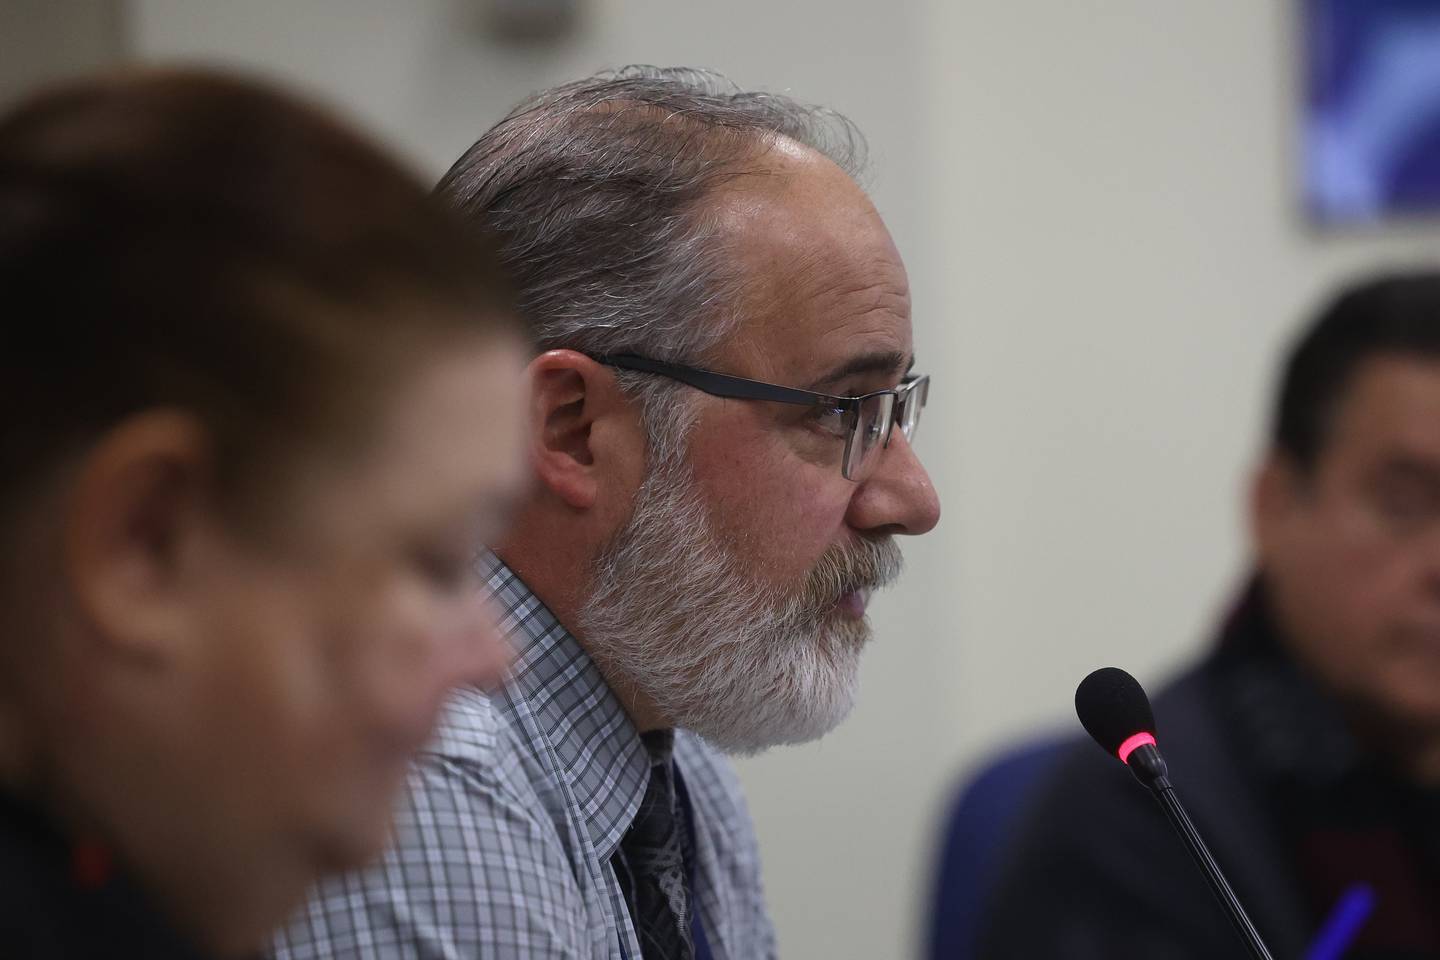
x: 1113, y: 709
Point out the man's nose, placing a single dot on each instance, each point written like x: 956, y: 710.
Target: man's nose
x: 897, y: 497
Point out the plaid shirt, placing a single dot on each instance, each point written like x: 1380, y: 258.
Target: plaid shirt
x: 503, y: 845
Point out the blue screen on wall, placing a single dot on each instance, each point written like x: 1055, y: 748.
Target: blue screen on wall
x: 1372, y: 118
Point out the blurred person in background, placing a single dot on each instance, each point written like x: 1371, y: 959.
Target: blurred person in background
x: 1306, y: 744
x: 721, y: 425
x: 261, y: 403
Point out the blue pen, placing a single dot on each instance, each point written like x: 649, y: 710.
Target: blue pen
x: 1339, y: 931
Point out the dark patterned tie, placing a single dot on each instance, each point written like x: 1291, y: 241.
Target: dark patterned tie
x: 651, y: 863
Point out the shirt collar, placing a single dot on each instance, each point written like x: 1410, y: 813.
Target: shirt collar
x: 557, y: 695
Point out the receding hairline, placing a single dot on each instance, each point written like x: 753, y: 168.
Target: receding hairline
x: 609, y: 194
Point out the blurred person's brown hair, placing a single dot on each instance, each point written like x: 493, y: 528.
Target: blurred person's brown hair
x: 185, y: 237
x: 260, y: 406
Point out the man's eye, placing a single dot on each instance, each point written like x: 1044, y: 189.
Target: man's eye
x: 446, y: 568
x: 1406, y: 504
x: 829, y: 419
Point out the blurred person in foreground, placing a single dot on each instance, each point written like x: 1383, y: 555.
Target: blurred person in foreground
x: 722, y: 416
x: 261, y: 402
x: 1306, y: 744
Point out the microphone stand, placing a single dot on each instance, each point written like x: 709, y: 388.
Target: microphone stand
x: 1149, y: 768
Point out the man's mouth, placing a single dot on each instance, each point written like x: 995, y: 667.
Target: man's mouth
x: 852, y: 603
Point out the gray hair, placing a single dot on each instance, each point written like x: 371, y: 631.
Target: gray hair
x: 595, y: 190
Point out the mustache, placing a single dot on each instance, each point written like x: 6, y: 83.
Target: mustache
x: 867, y: 565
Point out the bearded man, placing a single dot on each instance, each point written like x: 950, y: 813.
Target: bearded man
x: 722, y: 412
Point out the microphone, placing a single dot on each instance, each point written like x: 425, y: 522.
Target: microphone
x: 1114, y: 710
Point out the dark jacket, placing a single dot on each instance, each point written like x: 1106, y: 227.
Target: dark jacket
x: 1292, y: 806
x: 57, y: 903
x: 1097, y: 873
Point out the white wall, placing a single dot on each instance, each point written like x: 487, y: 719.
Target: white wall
x: 1125, y: 258
x: 41, y: 40
x: 1095, y: 200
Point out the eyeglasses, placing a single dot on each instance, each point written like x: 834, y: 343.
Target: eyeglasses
x: 864, y: 422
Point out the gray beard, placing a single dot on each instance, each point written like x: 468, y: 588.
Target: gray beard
x: 673, y: 616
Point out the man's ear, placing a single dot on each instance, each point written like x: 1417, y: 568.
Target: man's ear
x: 577, y: 417
x: 1274, y: 491
x: 135, y: 500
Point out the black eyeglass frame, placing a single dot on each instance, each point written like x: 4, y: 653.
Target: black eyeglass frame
x: 740, y: 388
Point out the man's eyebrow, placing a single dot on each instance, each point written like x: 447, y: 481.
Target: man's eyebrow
x: 891, y: 362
